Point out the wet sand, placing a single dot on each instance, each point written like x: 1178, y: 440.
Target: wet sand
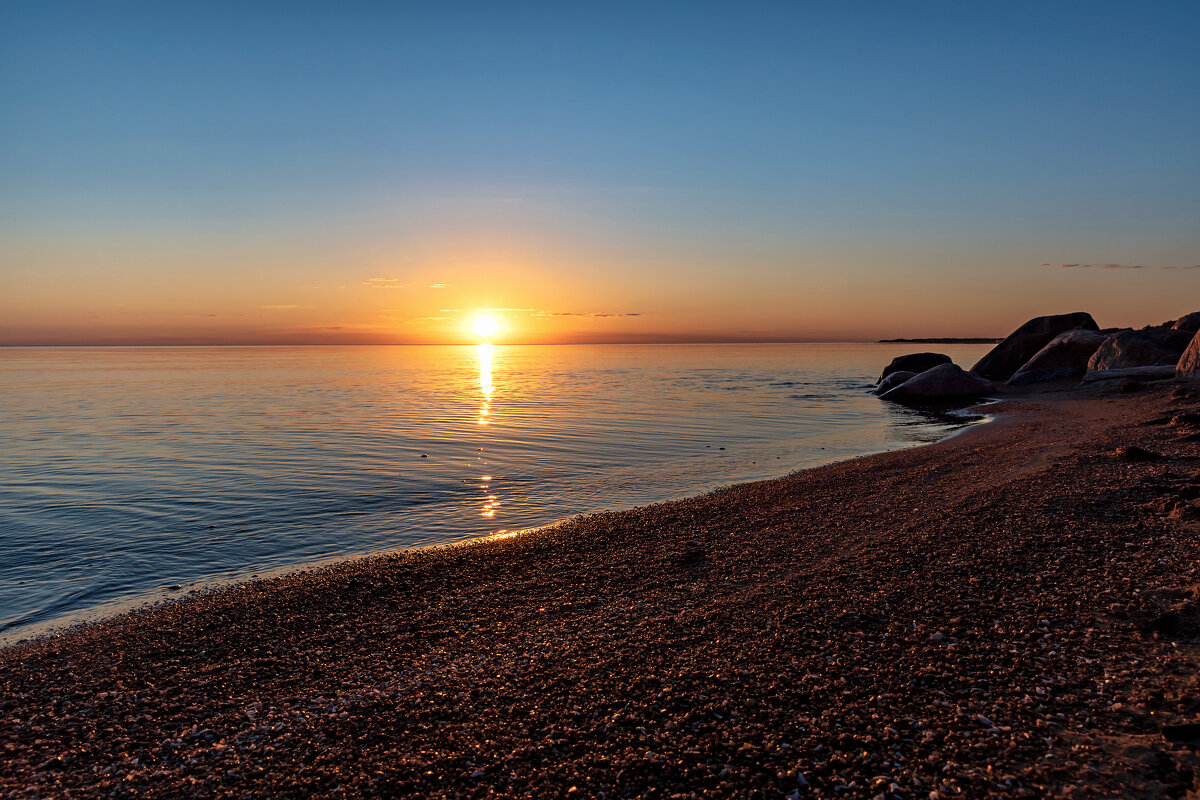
x: 1008, y: 613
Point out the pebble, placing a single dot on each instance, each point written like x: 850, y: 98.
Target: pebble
x: 764, y: 641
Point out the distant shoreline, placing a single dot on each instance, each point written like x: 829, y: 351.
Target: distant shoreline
x: 943, y: 340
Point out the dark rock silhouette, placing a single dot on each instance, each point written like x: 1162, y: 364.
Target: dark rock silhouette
x: 941, y: 384
x: 914, y: 362
x: 1003, y: 360
x: 893, y: 380
x: 1188, y: 322
x: 1066, y: 356
x: 1188, y: 366
x: 1149, y: 347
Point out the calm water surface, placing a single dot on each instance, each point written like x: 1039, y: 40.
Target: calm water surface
x: 127, y: 471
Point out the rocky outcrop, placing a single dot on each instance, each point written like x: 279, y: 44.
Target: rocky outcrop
x: 893, y: 380
x: 942, y: 384
x: 1149, y: 347
x: 1188, y: 368
x: 913, y: 362
x: 1065, y: 357
x: 1188, y: 322
x: 1127, y: 374
x: 1003, y: 360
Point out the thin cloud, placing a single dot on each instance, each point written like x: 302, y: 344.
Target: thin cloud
x: 281, y: 306
x: 385, y: 283
x: 1115, y: 266
x: 427, y: 319
x: 583, y: 314
x: 440, y: 285
x: 1100, y: 266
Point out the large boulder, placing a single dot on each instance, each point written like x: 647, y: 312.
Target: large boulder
x: 1064, y: 357
x: 1124, y: 375
x: 1003, y: 360
x: 893, y: 380
x: 1188, y: 322
x: 1188, y: 367
x: 942, y: 384
x: 913, y: 362
x: 1149, y: 347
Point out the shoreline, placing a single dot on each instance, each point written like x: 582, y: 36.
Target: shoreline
x: 114, y: 609
x: 1005, y: 612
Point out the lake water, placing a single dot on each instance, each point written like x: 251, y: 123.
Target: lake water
x: 125, y: 472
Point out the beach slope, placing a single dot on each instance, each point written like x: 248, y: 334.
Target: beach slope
x: 1008, y: 613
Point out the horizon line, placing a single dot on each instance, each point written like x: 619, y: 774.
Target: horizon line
x: 15, y: 345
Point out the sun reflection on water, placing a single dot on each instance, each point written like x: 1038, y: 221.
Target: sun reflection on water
x: 486, y: 351
x: 485, y: 380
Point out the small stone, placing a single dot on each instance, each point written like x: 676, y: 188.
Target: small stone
x: 1133, y: 453
x: 1187, y: 732
x: 937, y: 637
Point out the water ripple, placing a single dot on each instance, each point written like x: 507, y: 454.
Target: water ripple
x: 130, y: 470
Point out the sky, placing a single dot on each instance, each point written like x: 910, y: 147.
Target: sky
x: 239, y: 173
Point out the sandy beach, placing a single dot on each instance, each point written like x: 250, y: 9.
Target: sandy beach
x: 1008, y: 613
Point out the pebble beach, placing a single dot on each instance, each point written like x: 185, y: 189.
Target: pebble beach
x: 1007, y: 613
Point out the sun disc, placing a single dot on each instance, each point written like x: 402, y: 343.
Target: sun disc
x: 485, y: 326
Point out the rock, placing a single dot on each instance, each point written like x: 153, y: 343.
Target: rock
x: 893, y: 380
x: 914, y: 362
x: 1130, y: 374
x: 1183, y: 732
x: 692, y: 553
x: 1188, y: 322
x: 1149, y: 347
x: 1065, y: 356
x: 1134, y: 453
x: 1188, y: 367
x: 1003, y: 360
x: 945, y: 382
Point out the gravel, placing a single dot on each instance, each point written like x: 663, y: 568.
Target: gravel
x: 1009, y: 613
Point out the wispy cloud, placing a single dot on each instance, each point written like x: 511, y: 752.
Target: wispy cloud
x: 1115, y: 266
x: 440, y: 285
x: 534, y: 312
x: 584, y: 314
x: 385, y: 283
x: 281, y: 306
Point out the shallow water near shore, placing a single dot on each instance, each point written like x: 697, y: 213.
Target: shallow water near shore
x: 130, y: 474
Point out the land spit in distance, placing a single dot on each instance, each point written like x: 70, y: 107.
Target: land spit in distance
x: 1007, y: 613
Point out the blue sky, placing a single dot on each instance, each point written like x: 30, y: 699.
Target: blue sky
x: 730, y: 154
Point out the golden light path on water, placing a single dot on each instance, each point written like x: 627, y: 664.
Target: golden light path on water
x: 486, y: 351
x: 295, y: 456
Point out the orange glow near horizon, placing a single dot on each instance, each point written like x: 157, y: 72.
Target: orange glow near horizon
x: 514, y: 296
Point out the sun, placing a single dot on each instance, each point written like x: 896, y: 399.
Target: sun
x: 485, y: 326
